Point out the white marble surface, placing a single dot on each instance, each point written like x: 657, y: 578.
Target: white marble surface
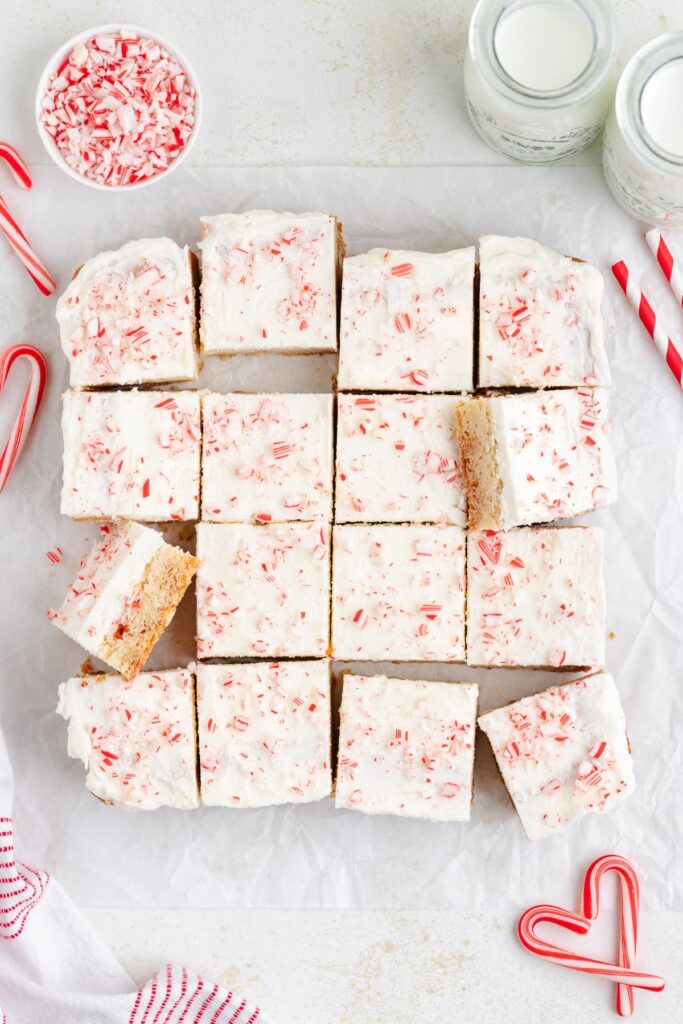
x: 338, y: 82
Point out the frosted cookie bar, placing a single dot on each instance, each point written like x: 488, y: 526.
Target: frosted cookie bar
x: 266, y: 458
x: 398, y: 460
x: 269, y: 282
x: 563, y: 753
x: 407, y: 321
x: 263, y: 590
x: 535, y: 597
x: 406, y: 747
x: 128, y: 316
x: 398, y: 593
x: 136, y: 738
x: 264, y: 733
x: 128, y: 587
x: 540, y: 323
x: 536, y: 457
x: 131, y: 455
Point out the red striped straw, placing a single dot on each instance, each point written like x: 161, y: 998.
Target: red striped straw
x: 665, y: 258
x: 15, y: 236
x: 662, y: 341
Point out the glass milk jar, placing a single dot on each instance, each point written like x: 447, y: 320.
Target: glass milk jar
x: 539, y: 75
x: 643, y: 146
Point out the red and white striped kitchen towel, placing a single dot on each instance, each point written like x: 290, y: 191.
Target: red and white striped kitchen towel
x: 55, y: 970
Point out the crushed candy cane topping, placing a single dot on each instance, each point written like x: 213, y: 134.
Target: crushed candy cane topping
x: 406, y: 747
x: 540, y: 323
x: 398, y: 460
x: 264, y: 733
x: 407, y: 321
x: 398, y: 593
x: 120, y: 109
x: 535, y: 596
x: 563, y: 753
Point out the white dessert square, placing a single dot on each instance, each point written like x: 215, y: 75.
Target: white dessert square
x: 128, y: 586
x: 264, y: 733
x: 406, y: 747
x: 535, y: 596
x: 407, y: 321
x: 128, y: 316
x: 540, y: 323
x: 398, y: 460
x: 263, y: 590
x: 563, y: 753
x: 131, y: 455
x: 269, y: 282
x: 536, y: 457
x: 266, y: 458
x: 398, y: 593
x: 136, y: 739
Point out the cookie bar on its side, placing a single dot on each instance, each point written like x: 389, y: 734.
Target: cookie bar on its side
x: 406, y: 747
x: 128, y: 587
x: 536, y: 457
x: 136, y: 738
x: 563, y: 753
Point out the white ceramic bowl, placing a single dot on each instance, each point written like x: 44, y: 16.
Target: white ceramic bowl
x: 56, y: 61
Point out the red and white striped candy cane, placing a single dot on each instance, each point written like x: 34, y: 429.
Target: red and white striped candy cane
x: 623, y: 974
x: 15, y: 236
x: 665, y: 258
x: 29, y: 405
x: 662, y: 341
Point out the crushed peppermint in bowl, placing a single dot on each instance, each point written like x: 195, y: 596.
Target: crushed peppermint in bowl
x: 117, y: 107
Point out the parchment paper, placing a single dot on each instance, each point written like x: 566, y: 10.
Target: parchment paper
x: 312, y: 855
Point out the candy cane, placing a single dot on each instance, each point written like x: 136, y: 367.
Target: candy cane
x: 623, y: 974
x: 647, y: 316
x: 15, y: 236
x: 670, y: 268
x: 29, y: 405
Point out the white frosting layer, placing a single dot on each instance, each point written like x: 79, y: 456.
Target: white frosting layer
x: 131, y: 455
x: 128, y: 317
x: 535, y: 596
x: 540, y: 323
x: 407, y: 321
x: 107, y: 577
x: 398, y: 460
x: 406, y: 747
x: 263, y: 590
x: 269, y: 282
x: 398, y: 593
x: 136, y: 739
x: 554, y: 455
x: 264, y: 733
x: 563, y: 753
x: 266, y: 458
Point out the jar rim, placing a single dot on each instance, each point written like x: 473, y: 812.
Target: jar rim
x: 627, y: 105
x: 482, y: 51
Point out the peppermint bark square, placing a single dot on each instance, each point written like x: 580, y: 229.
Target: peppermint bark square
x: 535, y: 597
x: 264, y: 733
x: 407, y: 321
x: 128, y: 587
x: 563, y: 753
x: 263, y: 590
x: 131, y: 455
x: 406, y: 747
x: 128, y: 316
x: 266, y: 458
x: 136, y: 738
x: 398, y: 593
x: 536, y: 457
x: 398, y: 460
x: 269, y: 282
x: 540, y: 323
